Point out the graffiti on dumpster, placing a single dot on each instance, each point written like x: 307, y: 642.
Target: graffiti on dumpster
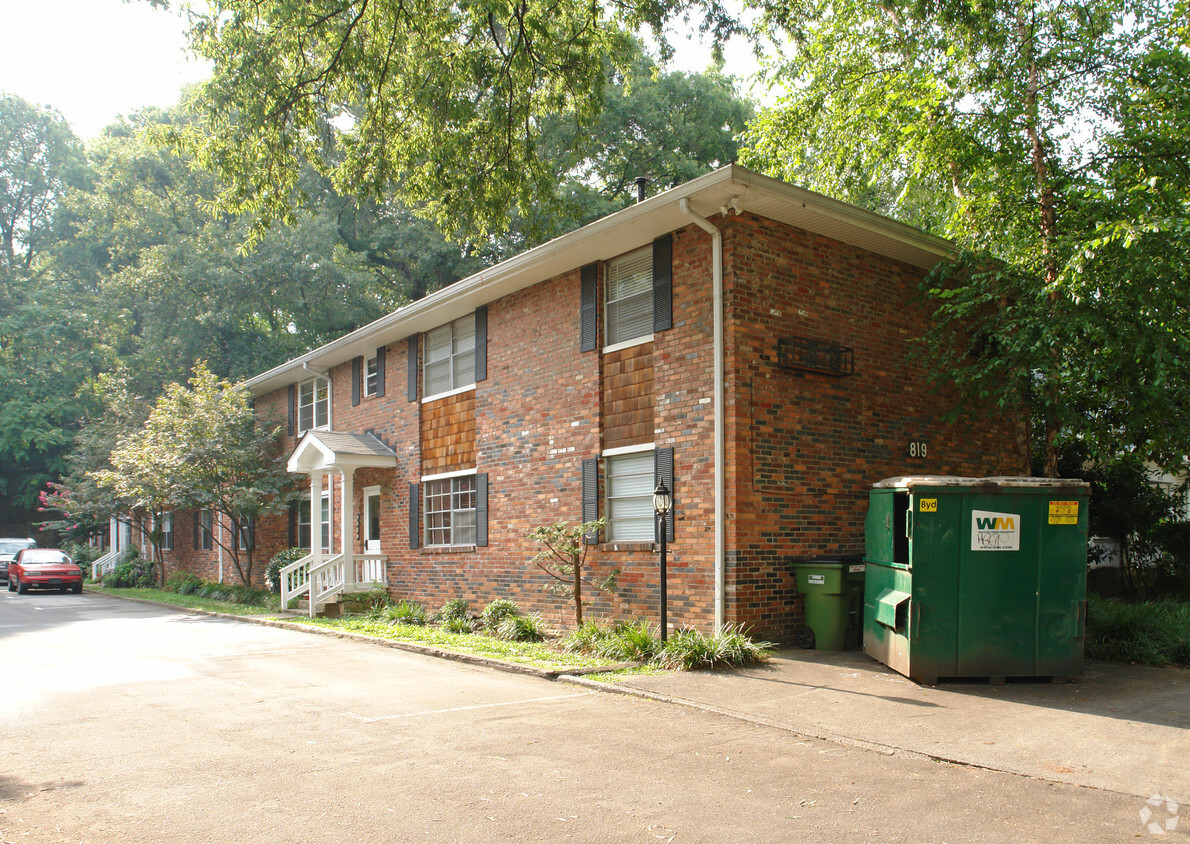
x: 995, y: 531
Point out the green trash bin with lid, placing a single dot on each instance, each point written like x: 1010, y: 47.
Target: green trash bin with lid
x: 833, y: 588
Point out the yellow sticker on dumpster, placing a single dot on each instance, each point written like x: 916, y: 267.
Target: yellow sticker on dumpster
x: 1063, y: 512
x: 929, y: 505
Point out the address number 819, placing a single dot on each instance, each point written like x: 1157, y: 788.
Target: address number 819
x: 917, y: 449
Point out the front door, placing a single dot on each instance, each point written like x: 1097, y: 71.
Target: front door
x: 372, y: 519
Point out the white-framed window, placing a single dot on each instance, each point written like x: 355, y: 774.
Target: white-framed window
x: 167, y: 531
x: 303, y: 522
x: 629, y: 497
x: 449, y: 362
x: 206, y: 529
x: 371, y: 376
x: 448, y: 510
x: 314, y: 405
x: 629, y: 300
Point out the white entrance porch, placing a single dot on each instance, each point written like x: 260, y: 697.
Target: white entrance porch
x: 323, y: 576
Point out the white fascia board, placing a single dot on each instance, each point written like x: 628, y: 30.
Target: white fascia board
x: 731, y: 187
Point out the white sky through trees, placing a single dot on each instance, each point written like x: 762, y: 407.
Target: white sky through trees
x: 96, y: 59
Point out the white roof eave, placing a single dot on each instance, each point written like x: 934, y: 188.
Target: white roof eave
x: 731, y: 188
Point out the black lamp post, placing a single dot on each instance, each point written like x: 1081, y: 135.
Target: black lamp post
x: 662, y: 502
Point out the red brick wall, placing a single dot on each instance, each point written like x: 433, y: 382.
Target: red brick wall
x: 806, y: 447
x: 802, y: 448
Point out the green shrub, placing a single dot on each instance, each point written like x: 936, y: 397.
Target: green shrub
x: 459, y: 625
x: 520, y: 628
x: 454, y: 610
x: 405, y: 612
x: 272, y: 572
x: 1144, y: 633
x: 132, y: 573
x: 624, y: 641
x: 497, y: 611
x: 690, y: 649
x: 183, y: 583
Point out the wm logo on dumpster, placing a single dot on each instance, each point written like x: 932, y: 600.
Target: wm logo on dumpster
x: 995, y: 531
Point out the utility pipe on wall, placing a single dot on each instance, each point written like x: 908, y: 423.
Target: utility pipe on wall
x: 720, y: 526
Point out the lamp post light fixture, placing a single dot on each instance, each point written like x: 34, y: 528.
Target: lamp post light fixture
x: 662, y: 503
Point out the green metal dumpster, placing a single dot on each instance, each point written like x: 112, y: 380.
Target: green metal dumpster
x: 834, y: 600
x: 976, y: 577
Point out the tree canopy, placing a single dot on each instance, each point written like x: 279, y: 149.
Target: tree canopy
x: 1050, y: 141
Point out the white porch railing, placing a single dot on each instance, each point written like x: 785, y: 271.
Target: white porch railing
x: 322, y: 582
x: 370, y: 570
x: 104, y: 565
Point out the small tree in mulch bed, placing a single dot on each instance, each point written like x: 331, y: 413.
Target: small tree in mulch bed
x: 564, y: 556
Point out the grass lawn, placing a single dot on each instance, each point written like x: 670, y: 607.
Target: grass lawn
x: 1142, y: 632
x: 547, y: 655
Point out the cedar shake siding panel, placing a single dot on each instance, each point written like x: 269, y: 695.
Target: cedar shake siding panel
x: 628, y: 396
x: 448, y: 434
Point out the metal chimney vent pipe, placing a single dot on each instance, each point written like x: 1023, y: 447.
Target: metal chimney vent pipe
x: 641, y: 181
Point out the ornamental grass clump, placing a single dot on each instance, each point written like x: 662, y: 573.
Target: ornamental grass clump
x: 405, y: 612
x: 521, y: 628
x: 497, y: 611
x: 690, y: 649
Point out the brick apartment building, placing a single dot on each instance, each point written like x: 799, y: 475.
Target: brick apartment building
x: 739, y: 337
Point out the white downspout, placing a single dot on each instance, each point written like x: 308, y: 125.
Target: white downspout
x: 717, y: 296
x: 219, y: 545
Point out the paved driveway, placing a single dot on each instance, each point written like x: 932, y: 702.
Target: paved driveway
x: 127, y: 722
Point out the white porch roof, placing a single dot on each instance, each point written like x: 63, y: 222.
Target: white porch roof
x: 322, y: 451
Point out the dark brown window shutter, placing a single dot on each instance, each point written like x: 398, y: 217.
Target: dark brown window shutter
x: 481, y: 343
x: 411, y: 391
x: 663, y: 283
x: 589, y: 311
x: 357, y: 368
x: 481, y: 510
x: 663, y: 470
x: 380, y: 356
x: 591, y: 495
x: 293, y: 523
x: 414, y: 521
x: 292, y: 408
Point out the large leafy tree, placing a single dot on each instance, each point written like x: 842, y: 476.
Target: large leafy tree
x: 202, y: 447
x: 48, y: 349
x: 441, y: 103
x: 1049, y: 140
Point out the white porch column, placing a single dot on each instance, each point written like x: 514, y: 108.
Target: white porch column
x: 347, y: 518
x: 316, y: 480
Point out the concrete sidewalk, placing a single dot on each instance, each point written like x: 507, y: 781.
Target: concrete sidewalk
x: 1121, y: 728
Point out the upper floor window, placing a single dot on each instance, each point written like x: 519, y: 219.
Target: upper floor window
x: 450, y: 357
x: 630, y: 297
x: 372, y: 377
x: 314, y: 404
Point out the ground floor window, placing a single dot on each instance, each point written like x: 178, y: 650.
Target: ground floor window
x: 167, y: 531
x: 629, y: 510
x: 206, y: 529
x: 449, y: 511
x: 303, y: 523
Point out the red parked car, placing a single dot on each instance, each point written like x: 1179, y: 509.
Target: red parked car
x: 44, y: 568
